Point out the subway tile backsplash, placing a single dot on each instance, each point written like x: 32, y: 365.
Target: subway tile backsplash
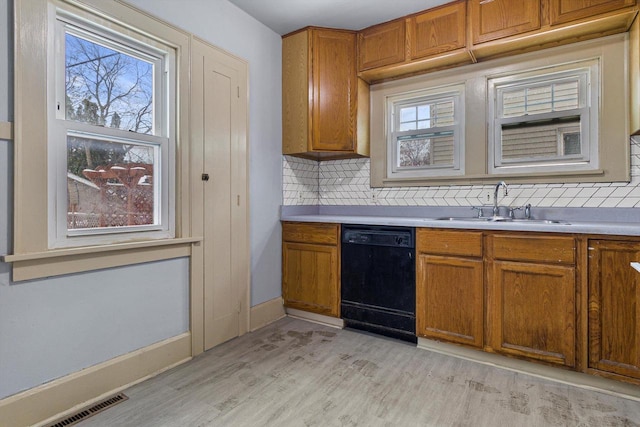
x: 346, y: 182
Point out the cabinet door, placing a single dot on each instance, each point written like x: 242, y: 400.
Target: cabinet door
x: 310, y: 277
x: 333, y: 123
x: 531, y: 311
x: 450, y: 299
x: 502, y: 18
x: 614, y: 307
x: 562, y: 11
x: 438, y: 30
x: 381, y: 45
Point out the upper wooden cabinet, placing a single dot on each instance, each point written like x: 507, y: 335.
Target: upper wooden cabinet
x: 563, y: 11
x: 462, y: 32
x: 324, y: 105
x: 431, y: 40
x: 491, y: 20
x: 381, y: 45
x: 437, y: 30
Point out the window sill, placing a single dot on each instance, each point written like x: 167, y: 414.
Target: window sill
x: 57, y: 262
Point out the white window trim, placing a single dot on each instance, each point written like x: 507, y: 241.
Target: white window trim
x: 393, y: 103
x: 588, y: 72
x: 164, y: 140
x: 31, y: 250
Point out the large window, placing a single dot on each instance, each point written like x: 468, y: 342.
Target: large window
x: 426, y: 133
x: 111, y: 135
x: 545, y: 120
x: 559, y: 115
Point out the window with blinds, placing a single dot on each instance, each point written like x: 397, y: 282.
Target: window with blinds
x: 545, y: 121
x: 425, y: 133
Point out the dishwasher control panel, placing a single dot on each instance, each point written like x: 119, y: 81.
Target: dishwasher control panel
x: 381, y: 236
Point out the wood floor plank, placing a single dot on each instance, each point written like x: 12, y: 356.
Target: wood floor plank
x: 297, y: 373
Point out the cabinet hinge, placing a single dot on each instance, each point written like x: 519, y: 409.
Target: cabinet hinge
x: 238, y: 87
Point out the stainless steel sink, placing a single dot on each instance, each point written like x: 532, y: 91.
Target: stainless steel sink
x: 540, y: 221
x: 503, y: 219
x: 463, y: 219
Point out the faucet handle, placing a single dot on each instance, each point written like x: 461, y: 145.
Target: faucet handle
x: 479, y: 209
x: 527, y: 211
x: 512, y: 211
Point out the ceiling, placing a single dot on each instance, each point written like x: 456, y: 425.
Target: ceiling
x: 285, y: 16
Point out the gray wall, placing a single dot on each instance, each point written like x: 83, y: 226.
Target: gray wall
x: 226, y: 26
x: 53, y: 327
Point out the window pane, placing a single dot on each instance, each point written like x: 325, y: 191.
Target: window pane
x: 443, y: 113
x: 541, y: 99
x: 422, y: 151
x: 424, y: 112
x: 109, y: 184
x: 542, y: 140
x: 106, y: 87
x: 407, y: 114
x: 427, y: 115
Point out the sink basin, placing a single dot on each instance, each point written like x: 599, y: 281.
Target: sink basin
x: 503, y: 219
x: 540, y: 221
x: 463, y: 219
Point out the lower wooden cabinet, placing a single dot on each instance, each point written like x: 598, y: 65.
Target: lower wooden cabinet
x: 531, y: 297
x: 614, y: 307
x: 449, y: 286
x: 508, y: 293
x: 311, y: 267
x: 531, y: 311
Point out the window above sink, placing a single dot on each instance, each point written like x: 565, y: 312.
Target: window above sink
x: 557, y: 116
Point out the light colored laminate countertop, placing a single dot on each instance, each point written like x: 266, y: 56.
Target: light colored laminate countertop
x: 625, y: 222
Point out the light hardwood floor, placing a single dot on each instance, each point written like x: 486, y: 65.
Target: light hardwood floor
x: 296, y: 373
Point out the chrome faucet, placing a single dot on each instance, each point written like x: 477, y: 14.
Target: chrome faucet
x: 495, y: 196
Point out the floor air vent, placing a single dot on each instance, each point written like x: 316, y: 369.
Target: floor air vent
x: 89, y: 412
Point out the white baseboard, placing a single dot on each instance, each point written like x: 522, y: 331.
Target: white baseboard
x: 64, y: 396
x: 577, y: 379
x: 265, y: 313
x: 317, y: 318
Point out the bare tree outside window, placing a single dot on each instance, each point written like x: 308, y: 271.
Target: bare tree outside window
x: 110, y: 183
x: 414, y: 152
x: 107, y: 88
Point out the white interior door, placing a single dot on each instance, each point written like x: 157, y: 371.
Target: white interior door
x: 222, y: 129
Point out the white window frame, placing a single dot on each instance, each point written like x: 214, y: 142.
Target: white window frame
x: 393, y: 105
x: 587, y: 73
x: 162, y: 139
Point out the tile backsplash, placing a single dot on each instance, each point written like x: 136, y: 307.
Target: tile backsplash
x: 347, y: 182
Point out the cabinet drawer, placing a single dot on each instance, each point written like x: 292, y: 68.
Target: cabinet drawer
x: 551, y: 249
x: 462, y: 243
x: 327, y: 234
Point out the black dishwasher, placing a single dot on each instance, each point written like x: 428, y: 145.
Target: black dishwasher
x: 378, y: 280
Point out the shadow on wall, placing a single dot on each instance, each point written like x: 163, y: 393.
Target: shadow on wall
x: 299, y: 181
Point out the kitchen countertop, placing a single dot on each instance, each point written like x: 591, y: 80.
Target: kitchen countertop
x: 608, y: 221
